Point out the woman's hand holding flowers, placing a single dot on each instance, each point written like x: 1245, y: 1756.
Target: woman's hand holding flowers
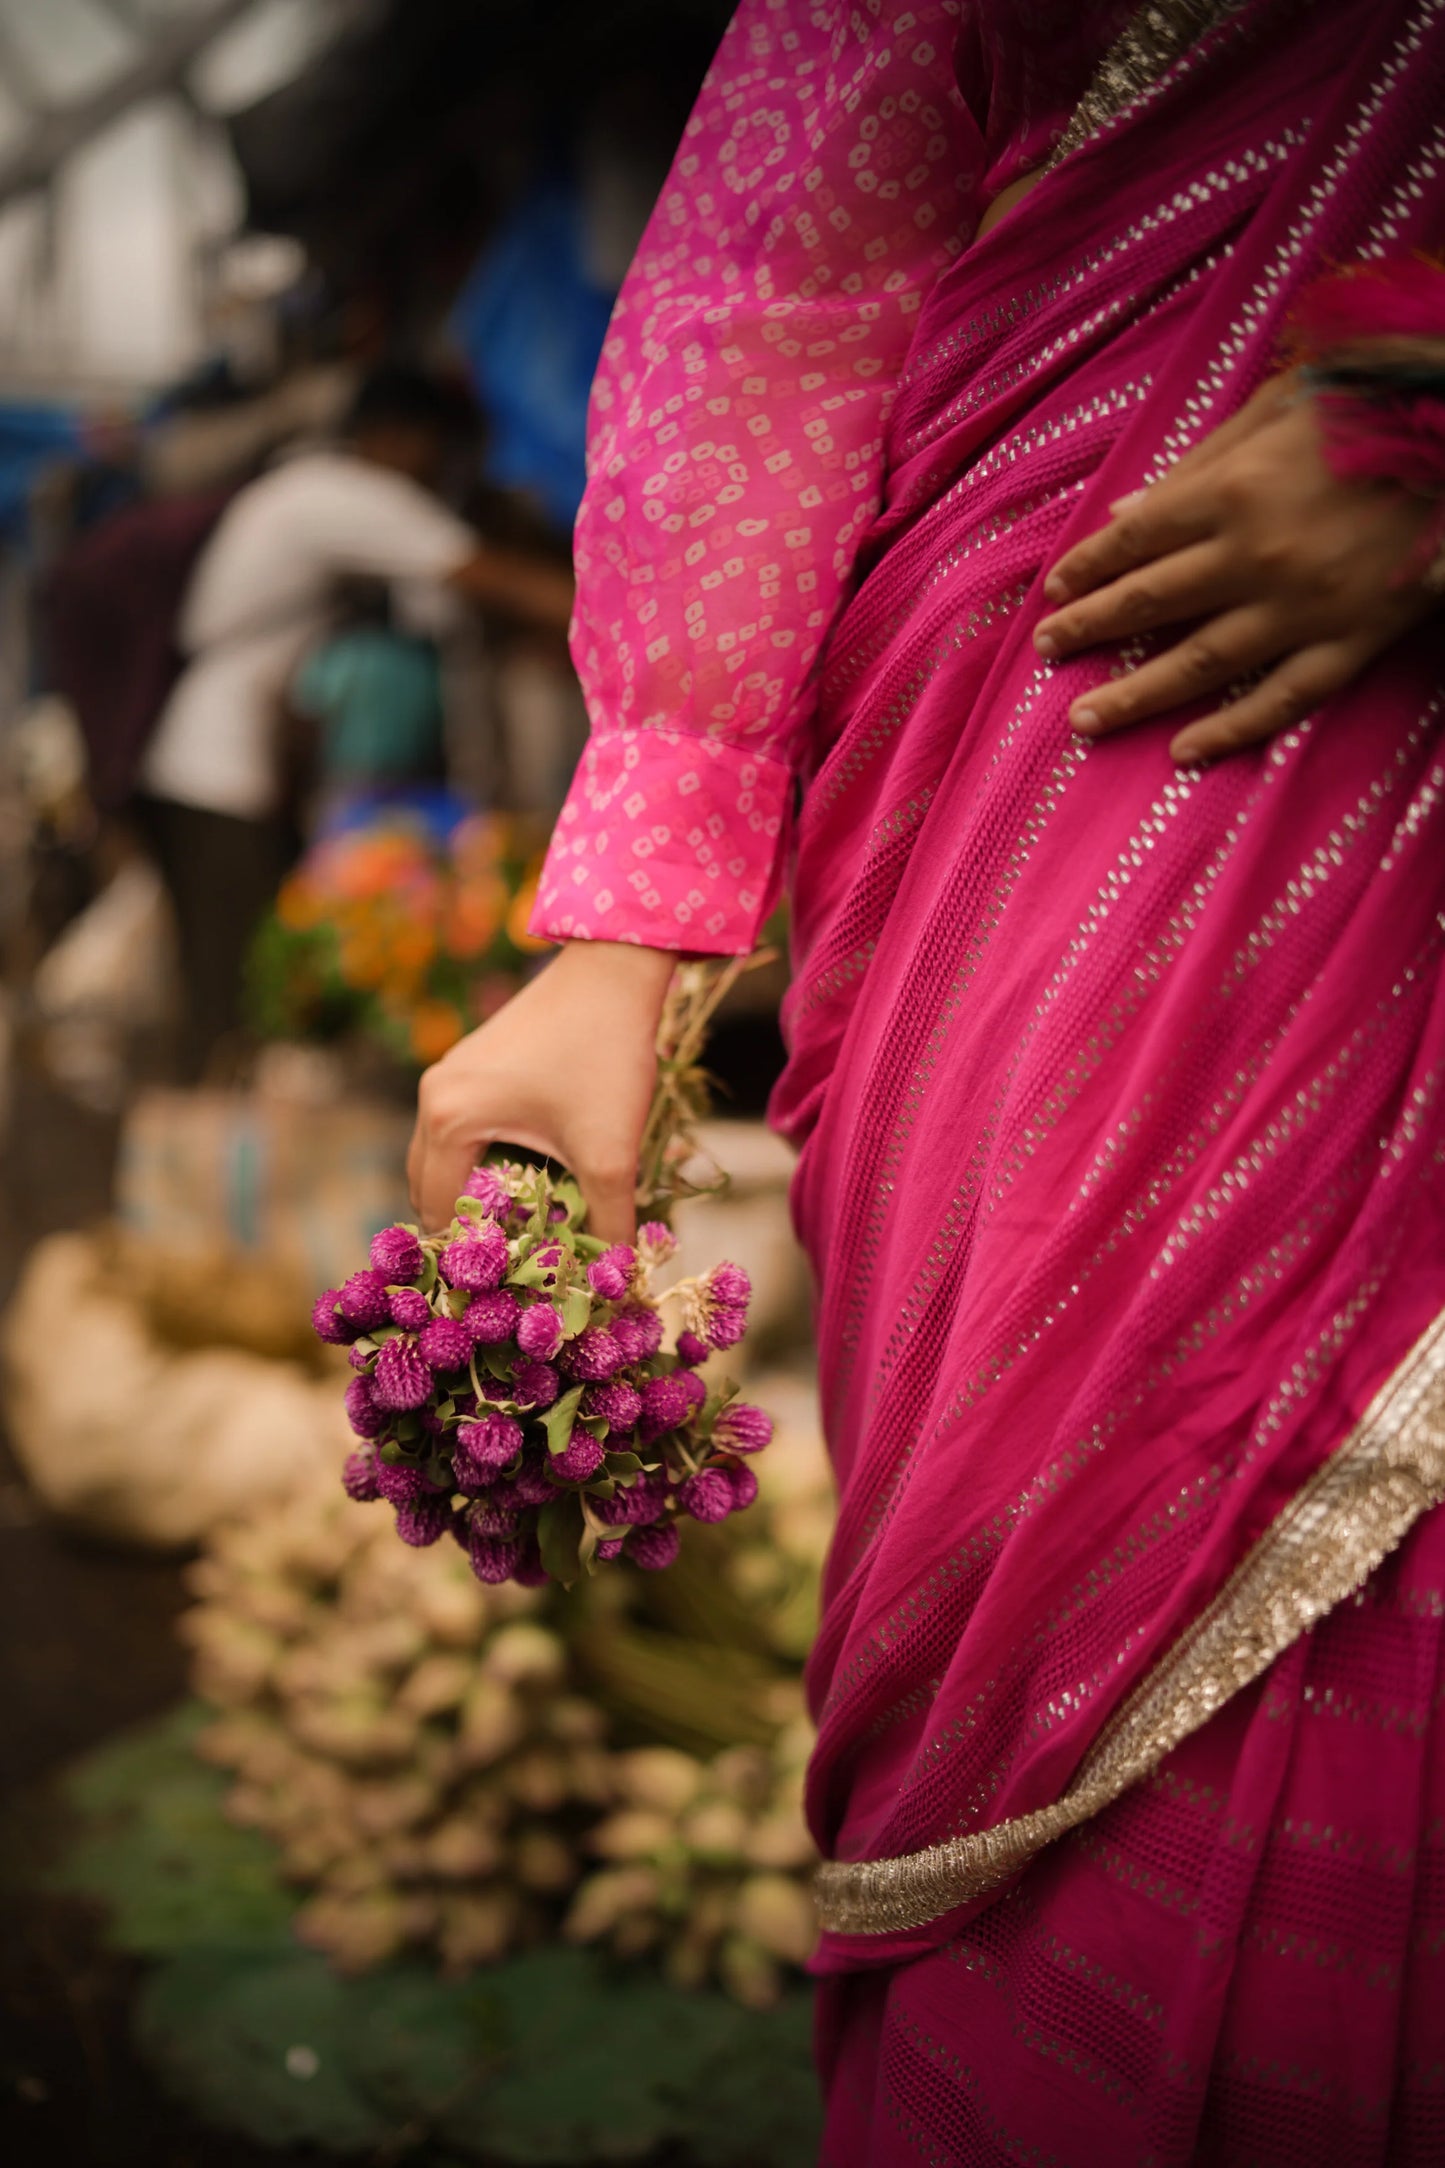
x: 567, y: 1068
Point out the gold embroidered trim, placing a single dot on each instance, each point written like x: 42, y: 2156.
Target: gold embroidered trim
x: 1151, y: 42
x: 1346, y: 1519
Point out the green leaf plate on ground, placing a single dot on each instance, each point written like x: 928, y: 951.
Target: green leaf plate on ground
x: 554, y: 2059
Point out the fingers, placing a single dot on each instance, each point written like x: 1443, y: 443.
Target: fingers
x: 1192, y: 583
x: 1148, y: 525
x: 1169, y: 514
x: 445, y: 1147
x: 1205, y: 662
x: 1285, y: 698
x: 611, y: 1201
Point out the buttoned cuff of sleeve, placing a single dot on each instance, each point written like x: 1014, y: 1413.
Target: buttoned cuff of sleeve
x: 668, y: 840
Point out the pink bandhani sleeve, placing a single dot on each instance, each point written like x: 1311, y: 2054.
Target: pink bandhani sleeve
x: 826, y: 176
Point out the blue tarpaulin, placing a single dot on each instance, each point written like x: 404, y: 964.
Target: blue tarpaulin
x: 531, y: 324
x: 30, y: 437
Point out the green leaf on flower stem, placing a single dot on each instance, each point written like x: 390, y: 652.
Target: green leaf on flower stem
x: 391, y: 1453
x: 576, y: 1308
x: 623, y: 1464
x: 724, y: 1391
x: 596, y: 1424
x: 430, y: 1273
x: 560, y: 1527
x: 495, y: 1363
x: 567, y: 1192
x: 532, y: 1273
x: 472, y: 1210
x: 558, y: 1420
x: 590, y: 1247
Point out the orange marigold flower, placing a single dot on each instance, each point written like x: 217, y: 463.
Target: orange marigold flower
x: 435, y: 1028
x: 518, y: 916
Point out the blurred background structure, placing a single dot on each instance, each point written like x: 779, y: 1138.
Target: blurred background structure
x: 299, y: 305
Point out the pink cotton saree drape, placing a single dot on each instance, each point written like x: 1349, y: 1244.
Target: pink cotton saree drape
x: 1117, y: 1090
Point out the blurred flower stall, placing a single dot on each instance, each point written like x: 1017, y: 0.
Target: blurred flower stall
x: 399, y: 931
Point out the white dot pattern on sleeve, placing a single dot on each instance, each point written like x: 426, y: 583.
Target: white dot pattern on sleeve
x: 735, y: 452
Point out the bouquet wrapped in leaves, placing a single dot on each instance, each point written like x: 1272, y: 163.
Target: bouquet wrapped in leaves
x: 515, y: 1388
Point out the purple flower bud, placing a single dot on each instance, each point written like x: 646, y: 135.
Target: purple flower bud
x: 445, y: 1344
x: 397, y: 1255
x: 593, y: 1354
x: 556, y: 1213
x: 326, y: 1324
x: 654, y: 1548
x: 655, y: 1242
x: 358, y: 1478
x: 726, y: 1326
x: 619, y: 1405
x: 612, y: 1273
x: 742, y: 1428
x: 539, y: 1331
x: 665, y: 1405
x: 490, y: 1319
x: 707, y: 1496
x: 646, y: 1498
x: 691, y: 1350
x: 423, y: 1522
x: 532, y: 1485
x: 361, y: 1358
x: 495, y: 1391
x: 535, y: 1385
x: 401, y: 1379
x: 364, y: 1301
x: 492, y: 1517
x: 638, y: 1333
x: 478, y: 1261
x: 530, y: 1572
x: 610, y: 1547
x: 581, y: 1460
x: 730, y: 1285
x: 400, y: 1485
x: 691, y: 1384
x: 365, y: 1417
x: 745, y: 1487
x: 487, y: 1445
x: 494, y: 1558
x: 490, y: 1191
x: 410, y: 1309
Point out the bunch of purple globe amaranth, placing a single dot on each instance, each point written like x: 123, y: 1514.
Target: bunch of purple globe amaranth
x: 513, y: 1389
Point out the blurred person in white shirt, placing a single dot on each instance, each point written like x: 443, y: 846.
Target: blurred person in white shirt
x: 261, y: 595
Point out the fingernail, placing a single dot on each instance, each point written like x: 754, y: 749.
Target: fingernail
x: 1046, y: 645
x: 1056, y: 589
x: 1084, y: 720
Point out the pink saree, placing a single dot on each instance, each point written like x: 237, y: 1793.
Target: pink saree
x: 1117, y: 1091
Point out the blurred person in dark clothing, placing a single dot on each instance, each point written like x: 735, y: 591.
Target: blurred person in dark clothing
x: 211, y: 783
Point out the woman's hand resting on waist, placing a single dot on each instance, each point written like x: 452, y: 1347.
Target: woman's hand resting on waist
x: 566, y: 1068
x: 1285, y: 571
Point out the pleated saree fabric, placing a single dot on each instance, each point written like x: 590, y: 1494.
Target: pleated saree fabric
x: 1117, y: 1090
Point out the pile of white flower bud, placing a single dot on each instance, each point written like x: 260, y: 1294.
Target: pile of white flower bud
x: 707, y: 1867
x: 418, y: 1747
x: 408, y: 1738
